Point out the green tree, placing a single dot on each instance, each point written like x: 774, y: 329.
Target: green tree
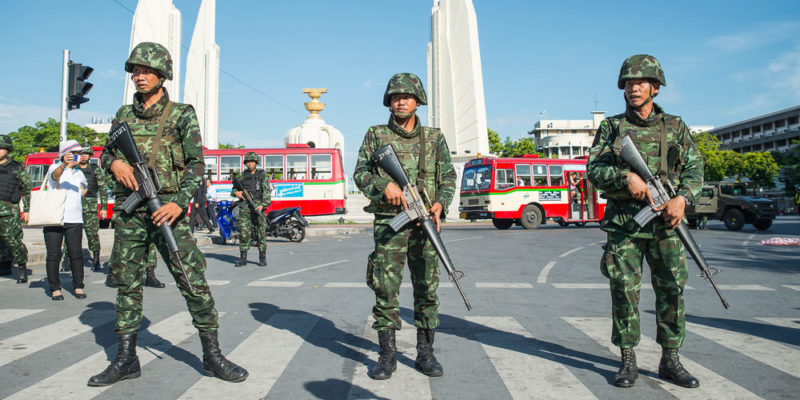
x: 495, y: 146
x: 223, y: 146
x: 760, y: 168
x: 789, y: 163
x: 519, y: 147
x: 45, y: 136
x: 713, y: 160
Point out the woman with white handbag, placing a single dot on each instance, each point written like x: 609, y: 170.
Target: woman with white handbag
x: 67, y: 177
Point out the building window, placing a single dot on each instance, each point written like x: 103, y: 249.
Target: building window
x: 756, y: 129
x: 273, y: 166
x: 793, y: 120
x: 574, y: 131
x: 780, y: 123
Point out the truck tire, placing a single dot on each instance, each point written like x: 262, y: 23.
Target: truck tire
x: 734, y: 219
x: 502, y: 223
x: 531, y: 217
x: 762, y: 224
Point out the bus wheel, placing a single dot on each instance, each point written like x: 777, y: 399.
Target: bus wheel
x: 531, y: 217
x: 580, y: 223
x: 762, y: 224
x: 562, y: 222
x: 500, y: 223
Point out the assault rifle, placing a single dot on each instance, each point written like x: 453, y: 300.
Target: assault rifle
x: 416, y: 211
x: 237, y: 184
x: 660, y: 195
x: 121, y: 138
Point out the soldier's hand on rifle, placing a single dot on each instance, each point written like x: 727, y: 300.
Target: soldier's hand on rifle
x: 26, y: 217
x: 124, y: 173
x: 638, y: 188
x: 673, y: 211
x: 394, y: 195
x: 167, y: 213
x: 238, y: 194
x: 436, y: 212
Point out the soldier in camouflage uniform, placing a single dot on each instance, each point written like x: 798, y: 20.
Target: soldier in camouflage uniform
x: 168, y: 135
x: 15, y: 184
x: 150, y: 279
x: 255, y: 181
x: 426, y: 160
x: 666, y: 145
x: 97, y: 183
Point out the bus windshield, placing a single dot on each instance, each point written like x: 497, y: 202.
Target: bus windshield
x: 477, y: 178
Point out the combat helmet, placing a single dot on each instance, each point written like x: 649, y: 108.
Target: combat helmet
x: 251, y: 156
x: 5, y: 143
x: 153, y: 55
x: 405, y: 82
x: 87, y: 149
x: 641, y: 66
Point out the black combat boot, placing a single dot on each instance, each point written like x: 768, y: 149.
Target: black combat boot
x: 111, y: 281
x: 426, y: 361
x: 5, y: 267
x: 242, y: 259
x: 628, y: 371
x: 95, y: 261
x: 22, y: 274
x: 150, y: 279
x: 215, y: 364
x: 262, y: 258
x: 125, y: 366
x: 671, y: 368
x: 387, y: 360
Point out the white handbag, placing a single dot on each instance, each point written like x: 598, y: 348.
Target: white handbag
x: 47, y: 205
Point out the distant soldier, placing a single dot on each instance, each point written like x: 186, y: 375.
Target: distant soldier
x: 426, y: 160
x: 15, y: 184
x: 98, y: 184
x: 666, y: 143
x: 255, y: 181
x: 167, y: 134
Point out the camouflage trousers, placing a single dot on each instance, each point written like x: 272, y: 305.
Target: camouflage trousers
x: 248, y: 221
x: 385, y: 273
x: 622, y: 265
x: 91, y: 224
x: 11, y: 239
x: 133, y: 237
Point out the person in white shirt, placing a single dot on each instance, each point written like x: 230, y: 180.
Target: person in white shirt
x: 67, y: 176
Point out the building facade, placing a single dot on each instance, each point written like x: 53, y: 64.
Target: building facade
x: 769, y: 132
x: 566, y: 138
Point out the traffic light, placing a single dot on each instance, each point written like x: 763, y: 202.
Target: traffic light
x: 78, y: 87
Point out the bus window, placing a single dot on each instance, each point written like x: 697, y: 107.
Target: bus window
x: 320, y: 166
x: 523, y: 175
x: 37, y: 173
x: 228, y: 166
x: 211, y: 167
x: 476, y: 178
x: 539, y: 175
x: 296, y: 166
x: 273, y: 165
x: 504, y: 179
x: 556, y: 175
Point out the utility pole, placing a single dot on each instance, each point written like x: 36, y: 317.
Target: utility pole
x: 64, y: 83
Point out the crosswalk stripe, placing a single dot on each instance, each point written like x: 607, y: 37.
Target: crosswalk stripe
x: 211, y: 282
x: 793, y: 287
x: 745, y: 287
x: 71, y: 381
x: 291, y: 284
x: 303, y: 270
x: 526, y: 376
x: 648, y: 354
x: 345, y: 285
x: 793, y: 323
x: 647, y: 286
x: 30, y: 342
x: 10, y: 314
x: 274, y: 349
x: 503, y: 285
x: 406, y: 382
x: 767, y: 351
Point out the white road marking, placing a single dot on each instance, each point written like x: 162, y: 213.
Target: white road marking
x: 648, y: 354
x: 70, y: 382
x: 303, y: 270
x: 469, y: 238
x: 265, y: 354
x: 545, y: 271
x: 10, y: 314
x: 406, y: 382
x: 793, y: 323
x: 745, y: 287
x: 570, y: 252
x: 99, y: 281
x: 793, y: 287
x: 345, y: 285
x: 503, y: 285
x: 291, y: 284
x: 647, y: 286
x: 769, y: 352
x: 526, y: 376
x: 30, y: 342
x: 210, y: 283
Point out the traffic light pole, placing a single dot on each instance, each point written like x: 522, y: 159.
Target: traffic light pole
x: 64, y: 83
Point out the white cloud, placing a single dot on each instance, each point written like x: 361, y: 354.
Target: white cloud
x: 755, y: 37
x: 780, y: 80
x: 368, y: 84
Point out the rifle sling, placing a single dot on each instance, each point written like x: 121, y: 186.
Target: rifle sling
x: 151, y: 162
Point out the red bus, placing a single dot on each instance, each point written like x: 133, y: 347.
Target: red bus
x: 300, y: 176
x: 528, y: 191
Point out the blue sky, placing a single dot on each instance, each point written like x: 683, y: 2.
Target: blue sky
x: 724, y: 60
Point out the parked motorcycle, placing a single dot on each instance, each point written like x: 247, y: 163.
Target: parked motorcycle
x: 287, y: 223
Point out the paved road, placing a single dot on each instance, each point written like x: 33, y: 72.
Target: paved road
x: 539, y: 327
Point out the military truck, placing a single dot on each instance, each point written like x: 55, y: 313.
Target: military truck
x: 729, y: 203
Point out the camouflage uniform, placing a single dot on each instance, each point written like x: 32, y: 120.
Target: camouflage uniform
x: 248, y: 220
x: 385, y: 264
x: 16, y: 185
x: 91, y: 220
